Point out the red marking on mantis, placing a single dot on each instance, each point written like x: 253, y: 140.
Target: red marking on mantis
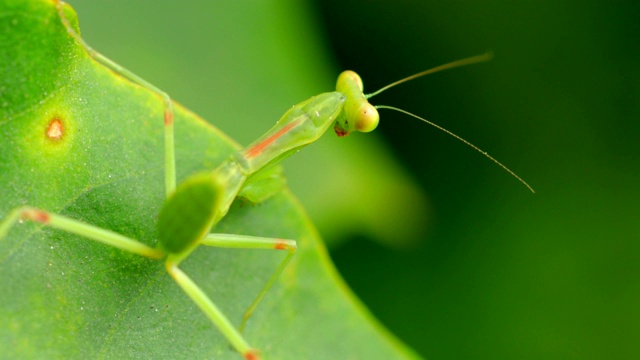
x: 257, y: 149
x: 55, y: 130
x: 168, y: 118
x: 251, y: 355
x: 340, y: 131
x: 281, y: 245
x: 36, y: 215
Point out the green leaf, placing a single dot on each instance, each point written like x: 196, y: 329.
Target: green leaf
x: 68, y: 297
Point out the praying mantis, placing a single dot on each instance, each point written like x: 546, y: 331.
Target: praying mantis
x: 194, y: 206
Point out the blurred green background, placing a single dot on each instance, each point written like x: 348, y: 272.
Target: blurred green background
x: 480, y: 268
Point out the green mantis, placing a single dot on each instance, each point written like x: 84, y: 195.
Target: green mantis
x: 194, y: 207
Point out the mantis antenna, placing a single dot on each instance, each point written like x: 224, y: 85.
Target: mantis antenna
x: 454, y: 64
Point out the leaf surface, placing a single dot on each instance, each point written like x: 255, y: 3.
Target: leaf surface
x: 68, y: 297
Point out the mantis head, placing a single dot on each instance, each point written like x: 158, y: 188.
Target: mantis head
x: 357, y: 113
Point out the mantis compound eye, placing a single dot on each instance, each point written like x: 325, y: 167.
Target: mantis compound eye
x: 367, y: 118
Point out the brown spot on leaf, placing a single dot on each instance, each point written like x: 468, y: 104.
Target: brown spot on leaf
x: 55, y: 130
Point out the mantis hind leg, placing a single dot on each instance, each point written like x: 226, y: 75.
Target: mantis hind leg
x: 253, y: 242
x: 211, y: 310
x: 169, y: 151
x: 63, y: 223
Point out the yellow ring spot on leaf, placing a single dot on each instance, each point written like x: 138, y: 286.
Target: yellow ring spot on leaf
x: 48, y: 132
